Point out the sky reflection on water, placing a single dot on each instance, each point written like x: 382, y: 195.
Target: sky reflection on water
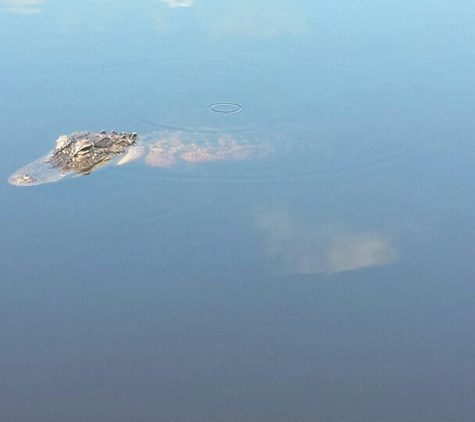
x: 307, y: 254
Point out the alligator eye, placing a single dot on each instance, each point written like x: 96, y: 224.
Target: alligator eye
x: 84, y: 149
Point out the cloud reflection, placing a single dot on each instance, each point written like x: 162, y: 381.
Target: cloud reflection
x: 177, y: 3
x: 259, y: 20
x: 297, y: 247
x: 25, y: 7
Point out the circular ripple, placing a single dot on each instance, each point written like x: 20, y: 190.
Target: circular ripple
x: 310, y: 118
x: 302, y: 118
x: 212, y: 109
x: 225, y: 108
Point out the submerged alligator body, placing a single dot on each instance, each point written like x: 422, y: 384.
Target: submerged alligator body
x: 83, y: 152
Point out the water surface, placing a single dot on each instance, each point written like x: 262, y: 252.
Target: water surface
x: 326, y: 276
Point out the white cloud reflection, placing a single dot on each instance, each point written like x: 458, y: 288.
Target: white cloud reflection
x: 296, y: 247
x: 259, y: 20
x: 177, y: 3
x: 25, y: 7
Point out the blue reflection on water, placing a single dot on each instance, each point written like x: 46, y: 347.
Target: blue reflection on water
x: 330, y: 272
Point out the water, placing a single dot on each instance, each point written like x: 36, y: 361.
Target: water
x: 305, y: 255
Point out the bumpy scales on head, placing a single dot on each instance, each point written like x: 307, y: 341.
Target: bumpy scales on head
x: 80, y: 152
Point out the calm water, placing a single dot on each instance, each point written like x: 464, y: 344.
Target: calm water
x: 323, y: 272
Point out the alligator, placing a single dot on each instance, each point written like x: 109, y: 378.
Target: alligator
x: 83, y: 152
